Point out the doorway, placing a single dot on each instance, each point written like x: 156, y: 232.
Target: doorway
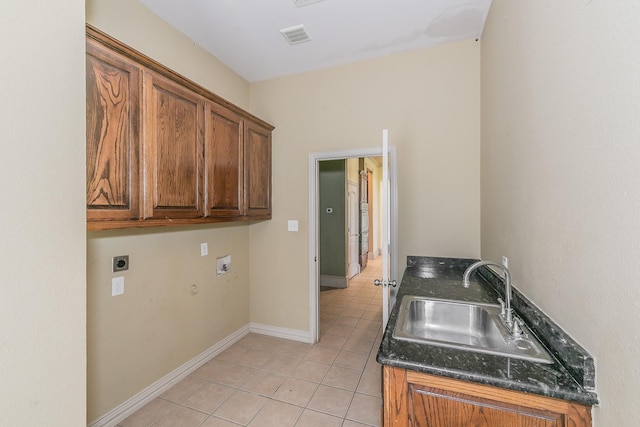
x: 314, y: 236
x: 346, y: 218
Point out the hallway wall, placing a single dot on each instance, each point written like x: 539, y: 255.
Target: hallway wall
x: 332, y: 238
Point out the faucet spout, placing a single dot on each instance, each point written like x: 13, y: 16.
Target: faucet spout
x: 508, y: 315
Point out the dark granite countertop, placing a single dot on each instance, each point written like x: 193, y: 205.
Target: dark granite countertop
x: 571, y: 376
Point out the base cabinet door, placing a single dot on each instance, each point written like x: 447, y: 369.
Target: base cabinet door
x: 433, y: 407
x: 413, y: 399
x: 173, y: 150
x: 257, y: 166
x: 113, y: 135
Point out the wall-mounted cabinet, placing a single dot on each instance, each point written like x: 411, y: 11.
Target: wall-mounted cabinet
x: 113, y: 135
x: 173, y: 150
x: 224, y: 145
x: 239, y: 159
x: 162, y: 150
x: 257, y: 164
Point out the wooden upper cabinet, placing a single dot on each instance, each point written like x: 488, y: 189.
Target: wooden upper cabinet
x: 224, y: 168
x: 173, y: 149
x: 162, y: 150
x: 257, y: 166
x: 113, y: 135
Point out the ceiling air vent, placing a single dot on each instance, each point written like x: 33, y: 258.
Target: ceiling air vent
x: 295, y: 35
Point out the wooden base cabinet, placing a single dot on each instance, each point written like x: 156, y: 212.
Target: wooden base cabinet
x: 413, y: 399
x: 162, y: 150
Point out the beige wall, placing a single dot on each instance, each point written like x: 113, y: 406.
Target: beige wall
x: 157, y: 325
x: 429, y: 100
x: 42, y: 231
x: 560, y: 175
x: 353, y: 174
x: 135, y: 25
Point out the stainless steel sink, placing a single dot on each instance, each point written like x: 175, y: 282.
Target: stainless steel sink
x: 469, y: 326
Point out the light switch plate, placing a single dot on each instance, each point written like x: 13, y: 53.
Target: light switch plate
x: 117, y: 286
x: 204, y: 249
x: 292, y: 225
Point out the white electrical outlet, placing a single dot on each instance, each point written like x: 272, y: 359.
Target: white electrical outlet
x: 505, y: 261
x: 117, y: 286
x: 292, y: 225
x: 204, y: 249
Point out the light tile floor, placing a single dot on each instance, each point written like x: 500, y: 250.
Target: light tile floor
x: 262, y: 381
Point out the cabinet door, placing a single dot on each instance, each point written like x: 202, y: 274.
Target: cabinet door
x: 414, y: 399
x: 257, y: 170
x: 224, y: 172
x: 432, y: 407
x: 173, y: 150
x: 112, y: 126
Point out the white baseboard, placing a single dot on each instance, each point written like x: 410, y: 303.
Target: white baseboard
x: 333, y: 281
x: 122, y: 411
x: 275, y: 331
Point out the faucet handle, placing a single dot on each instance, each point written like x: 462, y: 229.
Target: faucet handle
x: 516, y: 329
x: 503, y: 310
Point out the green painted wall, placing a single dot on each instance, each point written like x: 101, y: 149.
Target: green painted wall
x: 332, y: 181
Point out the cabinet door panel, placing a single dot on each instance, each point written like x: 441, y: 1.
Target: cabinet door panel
x: 112, y: 130
x: 224, y: 166
x: 414, y: 399
x: 173, y: 150
x: 436, y: 408
x: 257, y: 182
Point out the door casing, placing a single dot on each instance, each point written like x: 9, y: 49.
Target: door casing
x: 353, y: 266
x: 314, y: 158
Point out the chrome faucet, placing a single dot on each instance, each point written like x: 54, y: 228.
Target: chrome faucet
x: 507, y: 314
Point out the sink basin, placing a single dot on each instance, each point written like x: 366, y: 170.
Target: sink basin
x: 468, y: 326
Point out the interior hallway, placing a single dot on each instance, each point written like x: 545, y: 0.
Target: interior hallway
x: 262, y: 381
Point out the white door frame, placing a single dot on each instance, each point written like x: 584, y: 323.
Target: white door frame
x: 353, y: 230
x: 314, y: 252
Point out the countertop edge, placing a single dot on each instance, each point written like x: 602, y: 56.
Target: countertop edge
x: 587, y: 398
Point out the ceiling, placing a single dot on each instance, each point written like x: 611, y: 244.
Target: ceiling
x: 245, y: 34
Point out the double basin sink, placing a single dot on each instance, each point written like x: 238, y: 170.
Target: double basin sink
x: 468, y: 326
